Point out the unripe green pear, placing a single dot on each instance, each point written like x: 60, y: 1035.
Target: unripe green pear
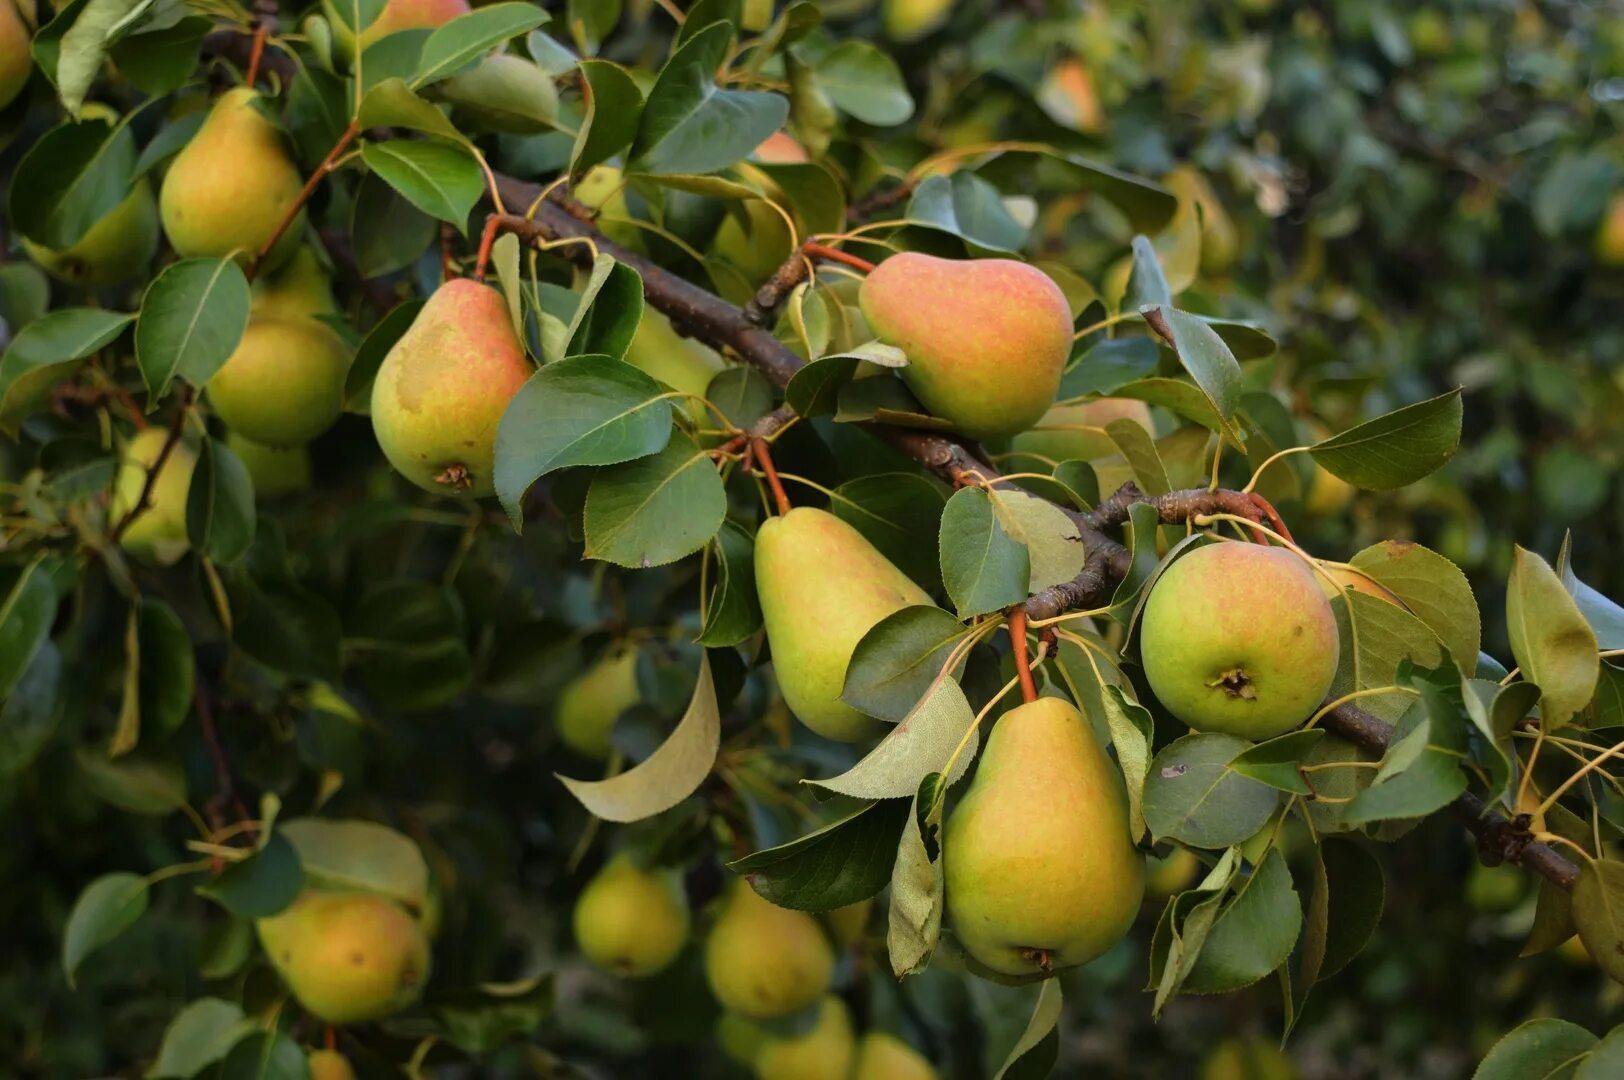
x: 740, y: 1038
x: 330, y: 1065
x: 590, y: 703
x: 503, y: 93
x: 1328, y: 493
x: 118, y: 246
x: 756, y: 242
x: 822, y: 586
x: 986, y: 339
x: 846, y: 924
x: 284, y: 384
x: 1249, y: 1058
x: 908, y: 20
x: 347, y: 956
x: 824, y: 1052
x: 397, y: 15
x: 1040, y: 869
x: 1067, y: 432
x: 603, y: 189
x: 300, y: 289
x: 275, y: 470
x: 441, y: 391
x: 681, y: 363
x: 1610, y: 233
x: 764, y: 961
x: 1239, y: 638
x: 15, y: 59
x: 230, y: 187
x: 1173, y: 874
x: 158, y: 534
x: 630, y: 921
x: 883, y: 1056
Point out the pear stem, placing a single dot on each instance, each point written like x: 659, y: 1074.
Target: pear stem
x: 328, y: 164
x: 493, y: 225
x: 1023, y: 666
x: 143, y: 501
x: 256, y: 51
x: 758, y: 447
x: 824, y: 251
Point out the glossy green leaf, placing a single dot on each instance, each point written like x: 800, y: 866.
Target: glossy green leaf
x: 845, y: 861
x: 656, y: 509
x: 442, y: 181
x: 106, y: 908
x: 1396, y: 449
x: 192, y: 317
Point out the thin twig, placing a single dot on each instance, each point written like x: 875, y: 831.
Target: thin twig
x: 143, y: 502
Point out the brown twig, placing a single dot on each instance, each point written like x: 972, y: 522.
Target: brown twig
x: 880, y: 200
x: 255, y: 53
x: 144, y: 501
x: 833, y: 254
x: 758, y: 449
x: 1023, y: 663
x: 328, y: 164
x: 493, y: 225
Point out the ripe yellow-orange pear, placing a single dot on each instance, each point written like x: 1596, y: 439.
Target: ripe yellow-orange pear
x: 397, y: 15
x: 15, y: 58
x: 1239, y: 638
x: 330, y: 1065
x: 632, y: 921
x: 230, y: 187
x: 1041, y: 872
x: 764, y: 961
x: 986, y: 339
x: 440, y: 393
x: 158, y: 533
x: 347, y: 956
x: 822, y: 586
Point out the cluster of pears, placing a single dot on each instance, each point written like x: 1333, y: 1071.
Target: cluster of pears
x: 1241, y: 638
x: 347, y: 956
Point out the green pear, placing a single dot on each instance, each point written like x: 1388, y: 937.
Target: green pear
x: 1040, y: 870
x: 823, y: 586
x: 909, y: 20
x: 158, y: 534
x: 631, y: 921
x: 275, y: 470
x: 300, y: 289
x: 755, y: 241
x: 1610, y: 233
x: 116, y: 247
x: 764, y: 961
x: 739, y: 1037
x: 681, y: 363
x: 230, y: 187
x: 1248, y: 1058
x: 824, y: 1052
x: 1073, y: 432
x: 397, y: 15
x: 986, y: 339
x: 1171, y: 874
x: 590, y: 703
x: 15, y: 59
x: 330, y: 1065
x: 603, y: 189
x: 883, y: 1056
x: 441, y: 391
x: 504, y: 93
x: 846, y: 924
x: 347, y: 956
x: 1239, y: 638
x: 284, y: 384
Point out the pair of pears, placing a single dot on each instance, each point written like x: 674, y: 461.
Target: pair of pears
x: 347, y: 956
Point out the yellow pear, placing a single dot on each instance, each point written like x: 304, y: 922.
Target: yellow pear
x: 908, y: 20
x: 1075, y: 432
x: 847, y: 924
x: 275, y: 470
x: 740, y: 1038
x: 230, y: 187
x: 681, y: 363
x: 591, y: 702
x: 330, y: 1065
x: 15, y: 60
x: 1610, y: 233
x: 764, y: 961
x: 1248, y: 1058
x: 300, y: 289
x: 116, y: 247
x: 883, y: 1056
x: 823, y: 586
x: 347, y: 956
x: 441, y: 391
x: 1040, y: 870
x: 824, y: 1052
x: 1171, y: 874
x: 158, y: 534
x: 632, y: 921
x: 284, y: 384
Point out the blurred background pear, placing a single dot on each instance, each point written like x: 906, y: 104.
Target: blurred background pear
x: 590, y: 703
x: 764, y: 961
x: 631, y: 921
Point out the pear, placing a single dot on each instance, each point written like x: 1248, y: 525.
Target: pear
x: 603, y: 189
x: 347, y: 956
x: 441, y: 391
x: 504, y: 93
x: 986, y: 339
x: 330, y: 1065
x: 824, y: 1052
x: 591, y: 702
x: 1248, y: 1058
x: 632, y: 921
x: 159, y: 534
x: 739, y: 1038
x: 780, y: 148
x: 764, y: 961
x: 681, y: 363
x: 1171, y: 874
x: 755, y: 241
x: 284, y: 384
x: 1239, y: 638
x: 1328, y: 493
x: 909, y: 20
x: 883, y: 1056
x: 116, y: 247
x: 397, y: 15
x: 822, y: 587
x: 1040, y: 870
x: 846, y: 924
x: 1219, y: 243
x: 1059, y: 435
x: 275, y: 470
x: 15, y: 59
x: 230, y: 187
x: 1610, y: 233
x: 300, y: 289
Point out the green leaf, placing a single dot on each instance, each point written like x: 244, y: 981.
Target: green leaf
x: 1139, y: 449
x: 1035, y: 1052
x: 361, y: 856
x: 463, y: 40
x: 71, y: 178
x: 84, y: 46
x: 25, y: 622
x: 1053, y: 544
x: 49, y: 349
x: 892, y: 510
x: 1396, y: 449
x: 899, y: 657
x: 138, y: 785
x: 690, y: 125
x: 390, y: 103
x: 1550, y: 638
x: 167, y: 676
x: 1254, y: 933
x: 1276, y: 761
x: 983, y: 567
x: 1598, y: 913
x: 610, y: 310
x: 843, y: 862
x: 442, y: 181
x: 1358, y: 892
x: 369, y: 357
x: 966, y: 206
x: 199, y: 1035
x: 192, y: 317
x: 1148, y: 206
x: 586, y: 410
x: 1606, y: 1060
x: 160, y: 61
x: 1543, y: 1049
x: 261, y: 885
x: 408, y: 638
x: 1147, y: 283
x: 29, y: 713
x: 1605, y: 616
x: 1420, y: 773
x: 1192, y: 795
x: 670, y: 774
x: 654, y: 510
x: 271, y: 1055
x: 482, y: 1019
x: 814, y: 389
x: 105, y: 909
x: 865, y: 83
x: 1210, y: 363
x: 388, y: 234
x: 1131, y: 727
x: 1433, y: 589
x: 285, y: 627
x: 393, y: 56
x: 220, y: 504
x: 919, y: 746
x: 914, y: 920
x: 614, y: 105
x: 732, y: 612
